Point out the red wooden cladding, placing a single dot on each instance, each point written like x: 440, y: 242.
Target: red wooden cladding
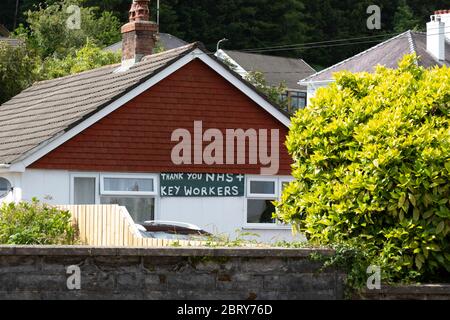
x: 137, y: 136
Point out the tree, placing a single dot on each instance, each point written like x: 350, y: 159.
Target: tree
x: 87, y: 58
x: 17, y: 70
x: 404, y: 18
x: 49, y: 34
x: 372, y: 168
x: 273, y: 93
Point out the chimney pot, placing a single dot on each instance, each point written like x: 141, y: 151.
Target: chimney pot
x: 139, y: 35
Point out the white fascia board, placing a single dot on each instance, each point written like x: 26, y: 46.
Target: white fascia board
x: 222, y: 55
x: 35, y: 155
x: 313, y: 83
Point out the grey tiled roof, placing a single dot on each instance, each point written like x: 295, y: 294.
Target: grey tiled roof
x: 275, y: 69
x: 12, y: 42
x: 3, y: 31
x: 49, y: 108
x: 168, y: 41
x: 387, y: 53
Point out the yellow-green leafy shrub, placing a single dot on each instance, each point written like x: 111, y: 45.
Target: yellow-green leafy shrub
x: 30, y: 223
x: 372, y: 167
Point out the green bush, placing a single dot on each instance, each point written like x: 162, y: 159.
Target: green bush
x: 17, y: 70
x: 372, y: 167
x: 35, y: 223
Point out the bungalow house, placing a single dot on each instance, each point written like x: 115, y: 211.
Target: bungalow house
x: 433, y: 48
x: 276, y: 70
x: 172, y: 136
x: 4, y: 37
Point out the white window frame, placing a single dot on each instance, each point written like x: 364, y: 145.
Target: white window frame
x: 84, y: 175
x: 153, y: 193
x: 262, y: 195
x: 256, y: 196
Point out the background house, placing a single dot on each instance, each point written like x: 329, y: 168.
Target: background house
x: 276, y: 70
x: 4, y: 37
x: 433, y: 48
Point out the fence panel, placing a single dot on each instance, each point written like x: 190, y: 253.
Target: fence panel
x: 112, y: 226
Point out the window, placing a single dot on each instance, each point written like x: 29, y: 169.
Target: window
x: 260, y: 211
x: 140, y: 208
x: 119, y: 185
x: 296, y: 100
x: 84, y: 190
x: 5, y: 187
x: 261, y: 188
x: 261, y: 193
x: 135, y: 192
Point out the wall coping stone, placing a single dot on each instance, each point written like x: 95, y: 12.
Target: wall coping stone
x: 13, y: 250
x: 410, y: 289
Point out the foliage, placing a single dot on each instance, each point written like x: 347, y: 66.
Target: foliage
x: 87, y: 58
x: 274, y: 93
x: 404, y: 18
x: 372, y: 165
x: 352, y: 258
x: 35, y: 223
x: 17, y: 67
x: 262, y: 23
x: 242, y: 239
x: 48, y: 34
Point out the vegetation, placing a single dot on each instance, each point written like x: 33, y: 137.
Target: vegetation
x: 274, y: 94
x: 372, y: 165
x: 404, y: 18
x: 87, y: 58
x: 17, y: 70
x: 247, y: 24
x: 47, y: 32
x: 51, y: 50
x: 262, y: 23
x: 35, y: 223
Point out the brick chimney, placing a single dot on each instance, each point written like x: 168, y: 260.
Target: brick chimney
x: 139, y: 36
x: 436, y: 34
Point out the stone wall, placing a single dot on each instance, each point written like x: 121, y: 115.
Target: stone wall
x: 166, y: 273
x: 408, y: 292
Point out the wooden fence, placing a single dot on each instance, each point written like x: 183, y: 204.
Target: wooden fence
x: 112, y: 226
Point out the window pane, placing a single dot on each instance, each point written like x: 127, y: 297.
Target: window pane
x: 84, y: 190
x: 141, y: 209
x: 260, y: 211
x: 262, y: 187
x: 128, y: 184
x: 5, y: 185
